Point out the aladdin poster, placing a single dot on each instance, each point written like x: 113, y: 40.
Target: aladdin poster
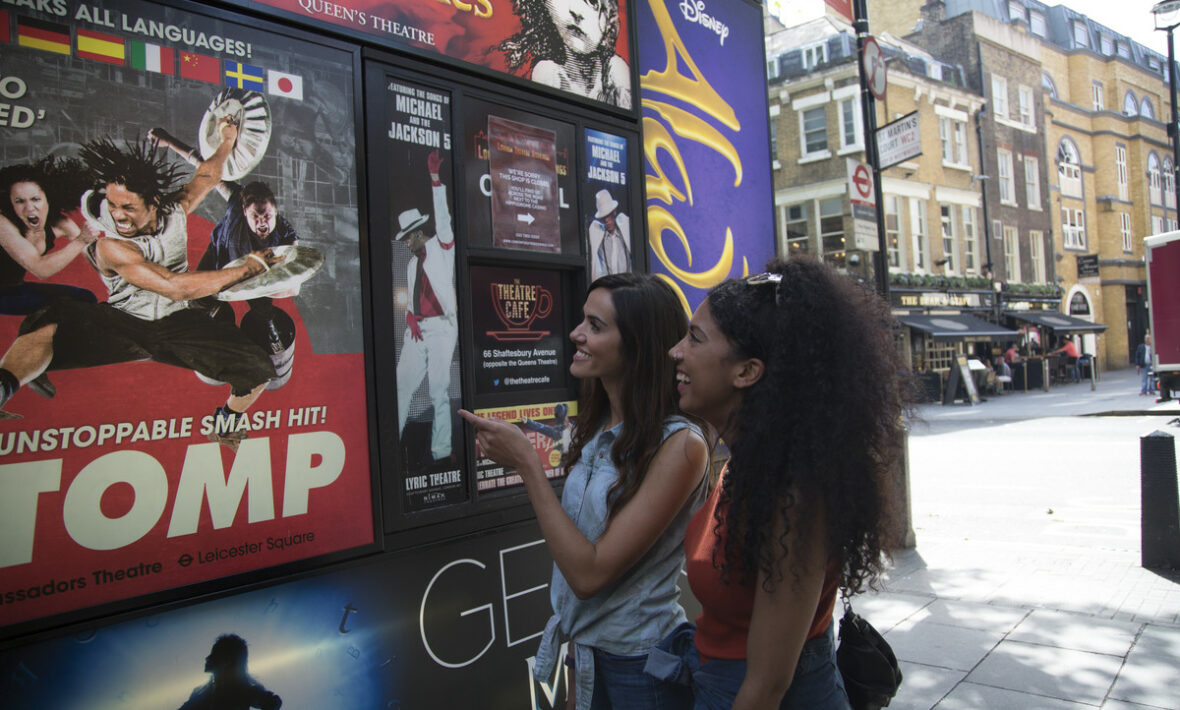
x: 706, y: 141
x: 577, y: 46
x: 183, y: 371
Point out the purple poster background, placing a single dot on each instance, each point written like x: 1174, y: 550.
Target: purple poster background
x: 706, y: 141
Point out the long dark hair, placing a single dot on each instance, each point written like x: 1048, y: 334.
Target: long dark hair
x: 63, y: 180
x: 139, y: 166
x: 650, y: 319
x: 821, y: 428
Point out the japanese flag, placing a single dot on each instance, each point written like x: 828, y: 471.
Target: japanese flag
x: 280, y: 84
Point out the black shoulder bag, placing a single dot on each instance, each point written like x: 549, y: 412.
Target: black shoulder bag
x: 866, y: 662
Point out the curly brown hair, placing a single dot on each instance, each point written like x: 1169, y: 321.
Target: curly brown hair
x: 650, y: 320
x: 822, y: 428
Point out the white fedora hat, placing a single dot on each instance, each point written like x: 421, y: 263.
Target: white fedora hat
x: 606, y: 204
x: 409, y: 221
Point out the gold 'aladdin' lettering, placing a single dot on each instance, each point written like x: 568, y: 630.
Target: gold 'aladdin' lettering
x: 694, y: 90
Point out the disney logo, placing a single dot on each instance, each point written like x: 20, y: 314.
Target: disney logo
x: 694, y: 11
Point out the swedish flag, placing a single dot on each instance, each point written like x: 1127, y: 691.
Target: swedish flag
x: 244, y: 76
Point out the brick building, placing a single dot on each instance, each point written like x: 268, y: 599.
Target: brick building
x: 1088, y: 106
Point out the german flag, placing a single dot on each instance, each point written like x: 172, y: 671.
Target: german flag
x: 101, y: 47
x: 47, y: 36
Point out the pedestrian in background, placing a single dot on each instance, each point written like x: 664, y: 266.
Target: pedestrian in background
x: 1143, y: 365
x: 637, y: 472
x: 797, y: 370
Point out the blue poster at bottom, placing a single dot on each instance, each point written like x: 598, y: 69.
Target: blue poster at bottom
x: 449, y: 625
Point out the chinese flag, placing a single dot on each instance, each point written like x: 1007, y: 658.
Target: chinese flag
x: 200, y: 67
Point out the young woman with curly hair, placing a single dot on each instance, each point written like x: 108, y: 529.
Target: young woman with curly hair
x: 797, y: 370
x: 637, y: 472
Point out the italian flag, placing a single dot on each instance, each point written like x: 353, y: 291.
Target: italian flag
x: 152, y: 57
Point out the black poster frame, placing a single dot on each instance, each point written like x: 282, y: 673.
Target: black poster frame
x: 26, y: 631
x: 481, y: 511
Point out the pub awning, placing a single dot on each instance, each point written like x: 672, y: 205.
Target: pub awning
x: 1057, y: 321
x: 958, y: 327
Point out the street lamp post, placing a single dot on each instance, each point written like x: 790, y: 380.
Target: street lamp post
x: 1167, y: 18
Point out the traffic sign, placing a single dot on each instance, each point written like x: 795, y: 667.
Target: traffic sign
x: 873, y: 65
x: 860, y: 183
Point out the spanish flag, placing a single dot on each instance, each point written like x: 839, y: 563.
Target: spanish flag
x: 38, y: 34
x: 100, y: 47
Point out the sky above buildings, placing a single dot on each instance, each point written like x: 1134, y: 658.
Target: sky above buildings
x: 1129, y: 17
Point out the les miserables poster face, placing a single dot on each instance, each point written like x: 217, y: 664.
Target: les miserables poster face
x: 180, y: 306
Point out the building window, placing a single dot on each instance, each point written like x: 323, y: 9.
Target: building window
x: 970, y: 241
x: 773, y: 139
x: 1036, y: 23
x: 1073, y: 228
x: 798, y: 230
x: 1106, y: 44
x: 893, y: 229
x: 1004, y: 162
x: 1069, y: 169
x: 1047, y: 84
x: 948, y: 237
x: 953, y: 135
x: 1169, y: 184
x: 1032, y: 182
x: 815, y: 55
x: 1012, y: 254
x: 1080, y: 36
x: 1157, y: 224
x: 1123, y: 49
x: 1036, y: 256
x: 850, y: 124
x: 1025, y: 96
x: 814, y: 123
x: 772, y: 68
x: 1015, y: 10
x: 1120, y: 171
x: 1130, y: 104
x: 1146, y: 108
x: 1154, y: 188
x: 1125, y: 230
x: 831, y: 230
x: 1000, y: 96
x: 919, y: 237
x: 1096, y: 94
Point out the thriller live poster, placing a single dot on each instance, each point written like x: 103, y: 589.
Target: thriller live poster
x: 120, y: 483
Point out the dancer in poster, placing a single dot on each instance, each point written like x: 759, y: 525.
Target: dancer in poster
x: 32, y: 219
x: 231, y: 685
x: 144, y: 263
x: 251, y: 223
x: 432, y: 329
x: 610, y: 238
x: 572, y: 46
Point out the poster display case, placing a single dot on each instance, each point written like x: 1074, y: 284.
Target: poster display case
x: 184, y: 419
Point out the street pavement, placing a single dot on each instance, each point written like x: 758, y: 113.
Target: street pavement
x: 1025, y: 588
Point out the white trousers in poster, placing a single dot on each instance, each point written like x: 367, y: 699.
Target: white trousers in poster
x: 431, y: 358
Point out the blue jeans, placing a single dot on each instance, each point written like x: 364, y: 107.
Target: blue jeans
x: 621, y: 684
x: 817, y: 684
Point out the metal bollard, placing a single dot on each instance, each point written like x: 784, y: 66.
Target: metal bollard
x: 1159, y: 501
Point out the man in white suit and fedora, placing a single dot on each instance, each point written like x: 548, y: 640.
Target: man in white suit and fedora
x: 610, y: 237
x: 431, y: 322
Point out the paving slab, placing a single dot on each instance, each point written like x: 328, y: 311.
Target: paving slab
x: 969, y: 696
x: 949, y: 647
x: 923, y: 686
x: 1078, y: 632
x: 1076, y: 676
x: 1152, y: 672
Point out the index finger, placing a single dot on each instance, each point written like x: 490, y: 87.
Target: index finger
x: 476, y: 420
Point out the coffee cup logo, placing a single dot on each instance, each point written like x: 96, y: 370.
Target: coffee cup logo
x: 517, y: 306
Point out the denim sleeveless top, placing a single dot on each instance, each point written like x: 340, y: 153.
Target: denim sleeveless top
x: 632, y: 615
